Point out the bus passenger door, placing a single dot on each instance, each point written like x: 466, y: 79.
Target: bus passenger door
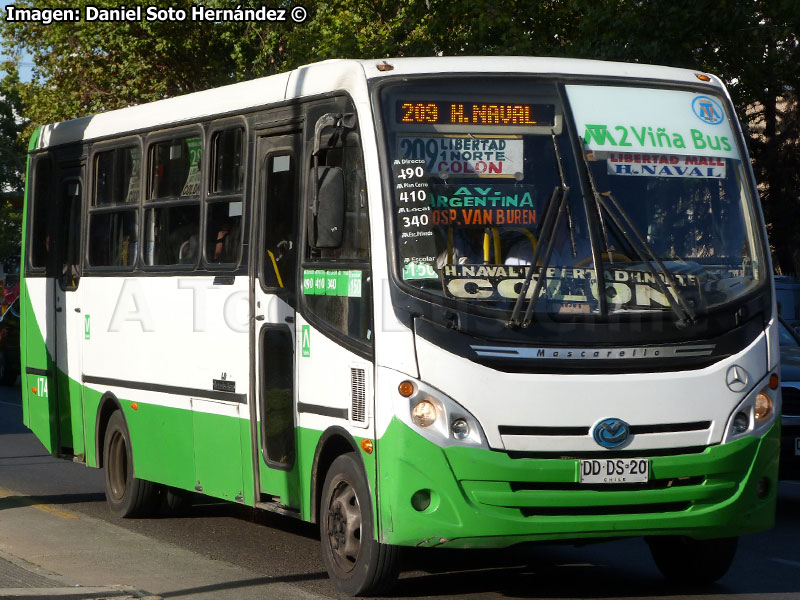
x: 277, y: 192
x: 69, y: 326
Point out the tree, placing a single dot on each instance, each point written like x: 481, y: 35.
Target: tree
x: 86, y: 67
x: 753, y: 46
x: 12, y: 162
x: 82, y: 68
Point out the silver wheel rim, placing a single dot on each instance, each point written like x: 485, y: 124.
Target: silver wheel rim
x: 344, y: 526
x: 117, y: 466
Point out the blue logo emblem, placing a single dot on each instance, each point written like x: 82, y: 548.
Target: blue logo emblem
x: 708, y: 110
x: 611, y: 433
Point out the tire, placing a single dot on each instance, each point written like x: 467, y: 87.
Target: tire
x: 175, y: 501
x: 357, y: 563
x: 126, y: 495
x: 686, y: 560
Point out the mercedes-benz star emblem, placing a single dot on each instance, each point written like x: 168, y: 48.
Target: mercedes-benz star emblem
x: 736, y: 378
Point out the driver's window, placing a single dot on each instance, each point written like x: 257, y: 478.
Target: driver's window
x: 279, y: 221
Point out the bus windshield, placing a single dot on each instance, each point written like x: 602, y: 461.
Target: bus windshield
x: 487, y: 183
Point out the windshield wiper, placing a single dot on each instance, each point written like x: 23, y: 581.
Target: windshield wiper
x: 549, y: 227
x: 677, y: 302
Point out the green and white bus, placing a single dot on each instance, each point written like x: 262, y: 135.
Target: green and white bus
x: 453, y: 302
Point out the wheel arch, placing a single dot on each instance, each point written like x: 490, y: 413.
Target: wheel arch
x: 108, y: 405
x: 334, y: 442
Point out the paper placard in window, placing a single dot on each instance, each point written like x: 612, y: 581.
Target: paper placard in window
x: 665, y: 165
x: 466, y: 156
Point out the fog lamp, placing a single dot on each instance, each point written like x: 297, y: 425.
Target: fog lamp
x: 421, y: 500
x: 763, y: 406
x: 423, y: 414
x: 741, y: 422
x: 460, y: 429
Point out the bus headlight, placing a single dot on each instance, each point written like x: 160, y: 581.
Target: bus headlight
x: 436, y: 416
x: 756, y: 413
x: 460, y: 429
x: 741, y: 422
x: 763, y: 407
x: 423, y: 414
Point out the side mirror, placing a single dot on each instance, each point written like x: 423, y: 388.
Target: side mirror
x: 326, y: 183
x: 327, y: 219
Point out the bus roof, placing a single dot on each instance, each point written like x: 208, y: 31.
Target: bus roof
x: 327, y: 76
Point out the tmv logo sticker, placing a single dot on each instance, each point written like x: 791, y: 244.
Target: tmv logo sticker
x: 611, y: 433
x: 708, y: 110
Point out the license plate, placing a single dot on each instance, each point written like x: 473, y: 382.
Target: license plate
x: 797, y: 446
x: 616, y: 470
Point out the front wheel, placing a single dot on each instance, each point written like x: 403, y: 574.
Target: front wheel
x: 356, y: 562
x: 126, y: 495
x: 690, y: 561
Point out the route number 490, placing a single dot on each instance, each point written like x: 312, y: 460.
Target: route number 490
x: 41, y: 387
x: 409, y: 172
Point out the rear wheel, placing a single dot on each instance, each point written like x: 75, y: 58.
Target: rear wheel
x: 690, y: 561
x: 175, y: 501
x: 356, y: 562
x: 126, y: 495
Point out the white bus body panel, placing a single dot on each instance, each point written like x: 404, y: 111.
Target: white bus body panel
x: 537, y: 400
x: 173, y: 331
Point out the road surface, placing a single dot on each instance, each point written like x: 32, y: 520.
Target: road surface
x: 54, y: 524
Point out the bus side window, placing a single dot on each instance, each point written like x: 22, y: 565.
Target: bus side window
x: 113, y: 213
x: 224, y: 203
x: 279, y: 222
x: 172, y: 209
x: 113, y: 239
x: 39, y: 241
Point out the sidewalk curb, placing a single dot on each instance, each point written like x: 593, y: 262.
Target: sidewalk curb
x: 111, y: 553
x: 63, y: 588
x: 76, y: 593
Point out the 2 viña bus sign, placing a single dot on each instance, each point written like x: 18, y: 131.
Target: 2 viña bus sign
x: 623, y: 120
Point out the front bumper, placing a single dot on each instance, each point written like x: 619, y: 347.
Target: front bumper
x: 485, y: 498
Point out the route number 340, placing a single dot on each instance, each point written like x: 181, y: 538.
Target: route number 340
x: 415, y: 221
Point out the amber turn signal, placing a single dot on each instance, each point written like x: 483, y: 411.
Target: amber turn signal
x: 702, y: 77
x: 774, y: 381
x: 406, y: 389
x: 366, y: 446
x: 134, y: 406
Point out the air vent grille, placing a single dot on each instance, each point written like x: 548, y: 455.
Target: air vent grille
x: 358, y: 387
